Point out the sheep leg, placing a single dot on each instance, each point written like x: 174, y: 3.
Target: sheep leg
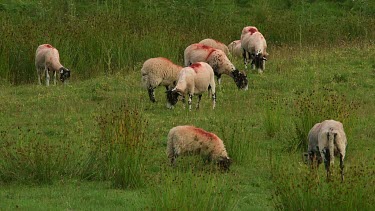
x: 213, y: 100
x: 151, y: 94
x: 189, y: 101
x: 218, y: 78
x: 342, y: 166
x: 244, y: 53
x: 199, y: 100
x: 327, y: 162
x: 253, y: 61
x: 47, y: 76
x: 54, y: 78
x: 311, y: 159
x: 39, y: 76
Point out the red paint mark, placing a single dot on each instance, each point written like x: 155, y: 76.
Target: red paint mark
x: 252, y: 30
x: 48, y: 46
x: 209, y: 53
x: 196, y: 66
x: 201, y: 46
x: 205, y: 133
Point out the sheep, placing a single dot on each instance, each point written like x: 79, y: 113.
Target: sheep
x: 218, y: 61
x: 215, y: 44
x: 235, y: 48
x: 195, y: 79
x: 254, y: 46
x: 159, y: 72
x: 327, y: 139
x: 185, y: 140
x: 47, y: 59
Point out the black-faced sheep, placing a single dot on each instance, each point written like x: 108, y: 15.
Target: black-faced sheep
x: 254, y: 46
x: 218, y: 61
x: 327, y: 139
x: 185, y: 140
x: 195, y: 79
x: 47, y: 59
x: 215, y: 44
x: 159, y: 72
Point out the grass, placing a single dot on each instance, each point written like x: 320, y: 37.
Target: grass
x: 99, y: 143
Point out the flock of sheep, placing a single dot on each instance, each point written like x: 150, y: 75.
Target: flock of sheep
x: 202, y: 61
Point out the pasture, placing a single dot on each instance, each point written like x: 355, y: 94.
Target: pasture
x: 99, y: 143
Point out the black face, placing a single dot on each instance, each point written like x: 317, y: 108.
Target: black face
x: 224, y: 163
x: 172, y: 97
x: 240, y: 79
x: 64, y: 74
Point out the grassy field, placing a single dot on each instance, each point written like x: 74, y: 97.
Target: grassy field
x: 99, y: 143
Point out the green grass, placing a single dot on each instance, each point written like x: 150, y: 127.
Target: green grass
x: 61, y: 125
x: 99, y: 143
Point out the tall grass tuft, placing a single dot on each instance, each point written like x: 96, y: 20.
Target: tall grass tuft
x: 118, y: 153
x: 190, y: 190
x: 32, y: 158
x: 311, y: 107
x: 237, y: 140
x: 299, y: 188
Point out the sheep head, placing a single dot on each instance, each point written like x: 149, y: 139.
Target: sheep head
x: 172, y: 96
x: 224, y: 163
x: 240, y: 79
x: 64, y: 74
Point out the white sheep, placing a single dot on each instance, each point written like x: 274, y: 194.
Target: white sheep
x: 254, y: 46
x: 215, y: 44
x: 159, y: 72
x: 185, y: 140
x: 195, y: 79
x: 327, y: 139
x: 235, y: 48
x: 218, y: 61
x: 47, y: 59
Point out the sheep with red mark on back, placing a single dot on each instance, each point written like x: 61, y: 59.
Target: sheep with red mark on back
x: 185, y: 140
x: 254, y: 46
x: 218, y: 61
x: 215, y: 44
x: 47, y: 59
x: 195, y: 79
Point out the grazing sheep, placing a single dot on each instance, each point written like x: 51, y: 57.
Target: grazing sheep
x: 159, y: 72
x: 185, y: 140
x: 254, y: 47
x: 195, y: 79
x: 327, y: 139
x: 47, y: 59
x: 235, y: 48
x: 218, y: 61
x: 215, y: 44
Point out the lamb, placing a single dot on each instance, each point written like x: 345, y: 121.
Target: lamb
x: 235, y: 48
x: 185, y: 140
x: 47, y: 59
x: 195, y: 79
x: 254, y: 46
x: 159, y: 72
x: 218, y: 61
x: 327, y: 139
x: 215, y: 44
